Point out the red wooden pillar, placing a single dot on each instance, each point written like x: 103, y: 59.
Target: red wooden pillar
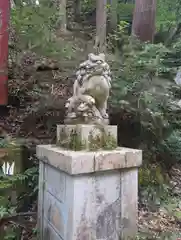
x: 4, y: 34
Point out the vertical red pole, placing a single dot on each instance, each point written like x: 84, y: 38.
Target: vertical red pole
x: 4, y: 34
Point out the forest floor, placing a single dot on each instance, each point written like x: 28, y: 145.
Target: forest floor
x: 162, y: 220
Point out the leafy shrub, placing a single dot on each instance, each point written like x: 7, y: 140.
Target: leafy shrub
x: 140, y: 90
x: 7, y: 208
x: 170, y: 147
x: 125, y: 12
x: 17, y: 190
x: 168, y: 14
x: 88, y: 6
x: 35, y: 29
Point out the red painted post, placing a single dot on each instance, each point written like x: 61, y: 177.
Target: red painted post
x: 4, y: 34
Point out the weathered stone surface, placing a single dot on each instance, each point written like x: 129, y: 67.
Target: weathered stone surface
x: 96, y: 206
x: 85, y: 130
x: 49, y: 232
x: 88, y: 195
x: 55, y: 183
x: 56, y: 205
x: 117, y: 159
x: 67, y: 161
x: 41, y: 196
x: 55, y: 213
x: 84, y: 162
x: 91, y: 88
x: 129, y: 203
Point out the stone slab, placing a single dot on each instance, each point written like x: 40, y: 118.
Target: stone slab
x: 57, y: 204
x: 84, y: 130
x: 97, y: 206
x: 100, y: 206
x: 49, y: 233
x: 82, y: 162
x: 41, y: 196
x: 129, y: 203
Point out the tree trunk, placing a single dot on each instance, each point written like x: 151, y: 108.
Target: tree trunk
x: 113, y: 14
x: 63, y: 15
x: 144, y: 20
x: 101, y: 23
x: 77, y: 9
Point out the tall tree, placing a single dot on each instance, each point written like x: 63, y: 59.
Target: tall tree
x: 61, y: 6
x: 113, y: 14
x: 101, y: 23
x: 143, y: 26
x: 63, y: 12
x: 77, y: 9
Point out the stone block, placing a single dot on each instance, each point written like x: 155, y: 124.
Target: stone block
x: 84, y: 132
x: 49, y: 233
x: 80, y: 162
x: 88, y: 195
x: 41, y: 196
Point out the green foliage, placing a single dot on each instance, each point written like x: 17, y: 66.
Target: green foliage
x: 118, y: 38
x: 143, y: 88
x: 168, y: 14
x: 88, y: 6
x: 153, y: 185
x: 125, y: 12
x: 168, y: 20
x: 151, y: 175
x: 101, y: 141
x: 10, y: 232
x: 35, y: 29
x: 135, y: 82
x: 21, y: 184
x: 71, y: 141
x: 172, y: 59
x: 170, y: 147
x: 15, y: 183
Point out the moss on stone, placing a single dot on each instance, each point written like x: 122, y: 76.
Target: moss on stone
x: 100, y: 141
x: 71, y: 141
x: 105, y: 141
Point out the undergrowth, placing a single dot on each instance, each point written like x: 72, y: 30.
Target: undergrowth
x: 18, y: 191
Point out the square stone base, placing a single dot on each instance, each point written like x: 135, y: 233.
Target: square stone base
x: 85, y: 132
x: 88, y: 195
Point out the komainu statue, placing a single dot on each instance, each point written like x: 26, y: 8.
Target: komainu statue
x: 88, y: 105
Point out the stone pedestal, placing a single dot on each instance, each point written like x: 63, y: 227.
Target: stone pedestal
x: 88, y: 195
x: 84, y: 132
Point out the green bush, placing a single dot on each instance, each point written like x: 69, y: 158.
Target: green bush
x: 140, y: 90
x: 125, y: 12
x: 35, y: 30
